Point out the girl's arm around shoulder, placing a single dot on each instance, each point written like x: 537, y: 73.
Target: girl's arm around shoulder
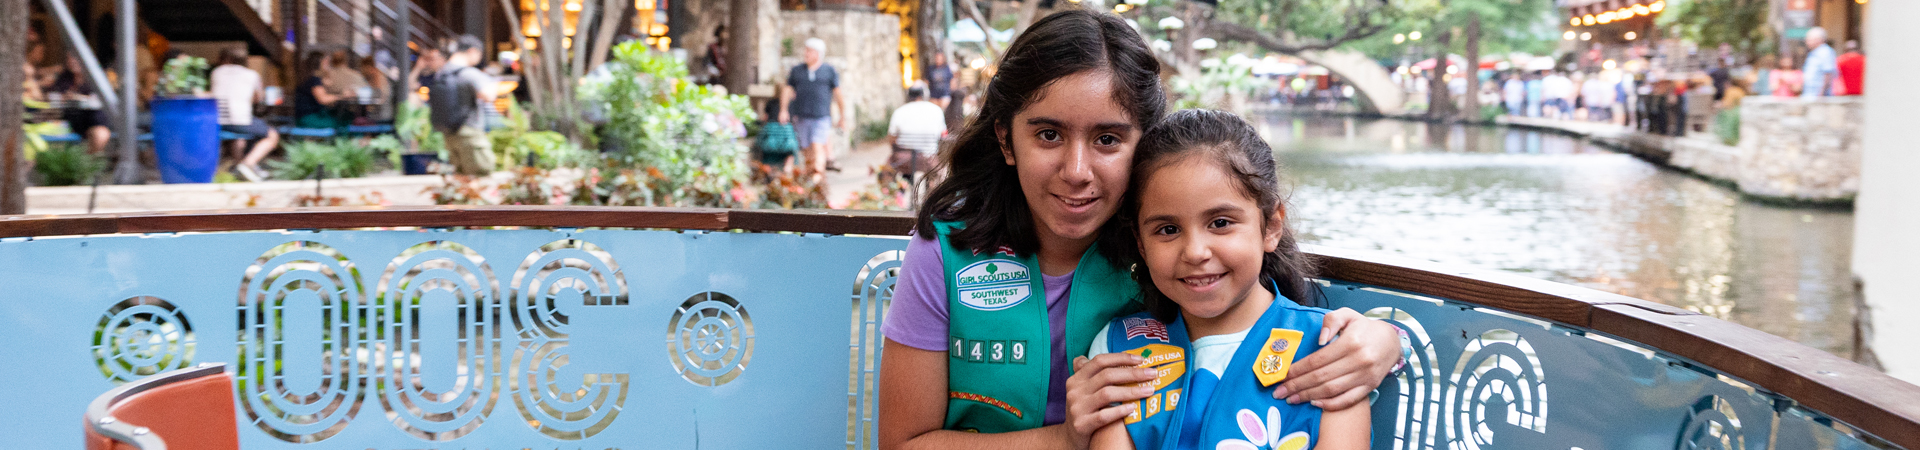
x: 1114, y: 436
x: 1346, y: 429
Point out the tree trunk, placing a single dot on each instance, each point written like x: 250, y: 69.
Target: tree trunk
x: 1186, y: 59
x: 1439, y: 103
x: 929, y: 34
x: 529, y: 66
x: 609, y: 24
x: 743, y: 51
x: 13, y: 162
x: 1471, y: 105
x: 583, y: 37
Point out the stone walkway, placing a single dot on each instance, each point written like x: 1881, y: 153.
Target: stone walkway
x: 856, y: 171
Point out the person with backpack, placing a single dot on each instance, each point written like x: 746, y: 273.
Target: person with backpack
x: 455, y: 99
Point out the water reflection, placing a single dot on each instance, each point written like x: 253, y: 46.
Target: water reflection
x: 1553, y: 207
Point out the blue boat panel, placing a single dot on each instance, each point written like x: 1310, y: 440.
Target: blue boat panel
x: 412, y: 339
x: 525, y: 338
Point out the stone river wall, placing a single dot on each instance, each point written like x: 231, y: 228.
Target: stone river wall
x: 1790, y: 150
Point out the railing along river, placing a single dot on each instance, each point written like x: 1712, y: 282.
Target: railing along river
x: 540, y: 327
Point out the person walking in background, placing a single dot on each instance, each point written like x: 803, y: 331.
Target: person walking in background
x: 1536, y: 94
x: 236, y: 88
x: 940, y: 80
x: 456, y: 97
x: 425, y: 68
x: 1598, y: 95
x: 1763, y: 75
x: 1559, y: 92
x: 808, y: 105
x: 1514, y: 92
x: 1785, y: 81
x: 717, y: 56
x: 1853, y: 70
x: 1819, y: 70
x: 915, y: 131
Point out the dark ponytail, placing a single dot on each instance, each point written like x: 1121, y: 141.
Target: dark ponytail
x: 1232, y: 143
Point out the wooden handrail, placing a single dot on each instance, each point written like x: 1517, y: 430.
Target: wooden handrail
x: 1861, y: 397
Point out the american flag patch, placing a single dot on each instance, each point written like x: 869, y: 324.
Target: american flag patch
x: 1151, y: 329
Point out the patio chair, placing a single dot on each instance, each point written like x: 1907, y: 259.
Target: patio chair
x: 188, y: 408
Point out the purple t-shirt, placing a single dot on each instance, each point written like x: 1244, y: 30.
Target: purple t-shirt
x: 918, y: 317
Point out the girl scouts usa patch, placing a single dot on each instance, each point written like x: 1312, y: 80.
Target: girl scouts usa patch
x: 994, y: 284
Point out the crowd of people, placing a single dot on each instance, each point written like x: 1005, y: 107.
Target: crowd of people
x: 1659, y: 101
x: 811, y: 94
x: 340, y: 90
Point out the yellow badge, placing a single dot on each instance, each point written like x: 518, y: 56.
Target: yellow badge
x: 1157, y: 354
x: 1173, y: 399
x: 1169, y: 361
x: 1276, y: 356
x: 1133, y: 417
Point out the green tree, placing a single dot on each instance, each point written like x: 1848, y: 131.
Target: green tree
x: 1741, y: 24
x: 1511, y: 22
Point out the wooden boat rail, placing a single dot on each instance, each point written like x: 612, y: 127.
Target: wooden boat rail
x: 1861, y: 397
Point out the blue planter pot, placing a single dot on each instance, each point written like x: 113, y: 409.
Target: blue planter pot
x: 417, y: 163
x: 186, y: 139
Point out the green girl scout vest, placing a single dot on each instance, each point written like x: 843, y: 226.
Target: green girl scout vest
x: 999, y: 341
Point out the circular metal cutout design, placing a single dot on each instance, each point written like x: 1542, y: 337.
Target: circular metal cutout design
x: 436, y: 341
x: 563, y: 276
x: 710, y: 339
x: 142, y: 336
x: 299, y: 369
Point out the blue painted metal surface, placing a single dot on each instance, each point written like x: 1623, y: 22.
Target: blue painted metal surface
x: 456, y: 339
x: 662, y: 339
x: 1480, y: 380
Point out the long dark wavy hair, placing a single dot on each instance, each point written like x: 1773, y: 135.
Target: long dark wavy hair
x: 1231, y: 142
x: 981, y: 190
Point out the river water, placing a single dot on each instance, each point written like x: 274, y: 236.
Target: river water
x: 1553, y: 207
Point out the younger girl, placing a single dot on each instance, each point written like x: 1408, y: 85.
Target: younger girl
x: 1220, y: 276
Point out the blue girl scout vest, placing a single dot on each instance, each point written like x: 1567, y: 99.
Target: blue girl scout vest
x: 999, y: 342
x: 1240, y: 411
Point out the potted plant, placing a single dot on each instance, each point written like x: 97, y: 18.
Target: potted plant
x: 426, y: 145
x: 186, y: 124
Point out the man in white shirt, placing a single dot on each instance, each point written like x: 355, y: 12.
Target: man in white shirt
x: 1599, y: 95
x: 236, y: 88
x: 915, y: 130
x: 1559, y: 92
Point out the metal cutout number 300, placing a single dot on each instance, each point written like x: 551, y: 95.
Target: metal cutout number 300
x: 431, y: 337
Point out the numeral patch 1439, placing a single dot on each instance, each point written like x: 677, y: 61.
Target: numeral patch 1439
x: 987, y: 351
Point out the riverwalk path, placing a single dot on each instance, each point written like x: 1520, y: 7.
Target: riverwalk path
x: 389, y: 189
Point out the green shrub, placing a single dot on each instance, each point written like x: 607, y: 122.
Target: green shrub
x: 517, y: 140
x: 873, y: 131
x: 67, y: 165
x: 414, y: 126
x: 684, y: 138
x: 341, y: 159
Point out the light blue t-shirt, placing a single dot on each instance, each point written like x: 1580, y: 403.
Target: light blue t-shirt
x: 1819, y: 71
